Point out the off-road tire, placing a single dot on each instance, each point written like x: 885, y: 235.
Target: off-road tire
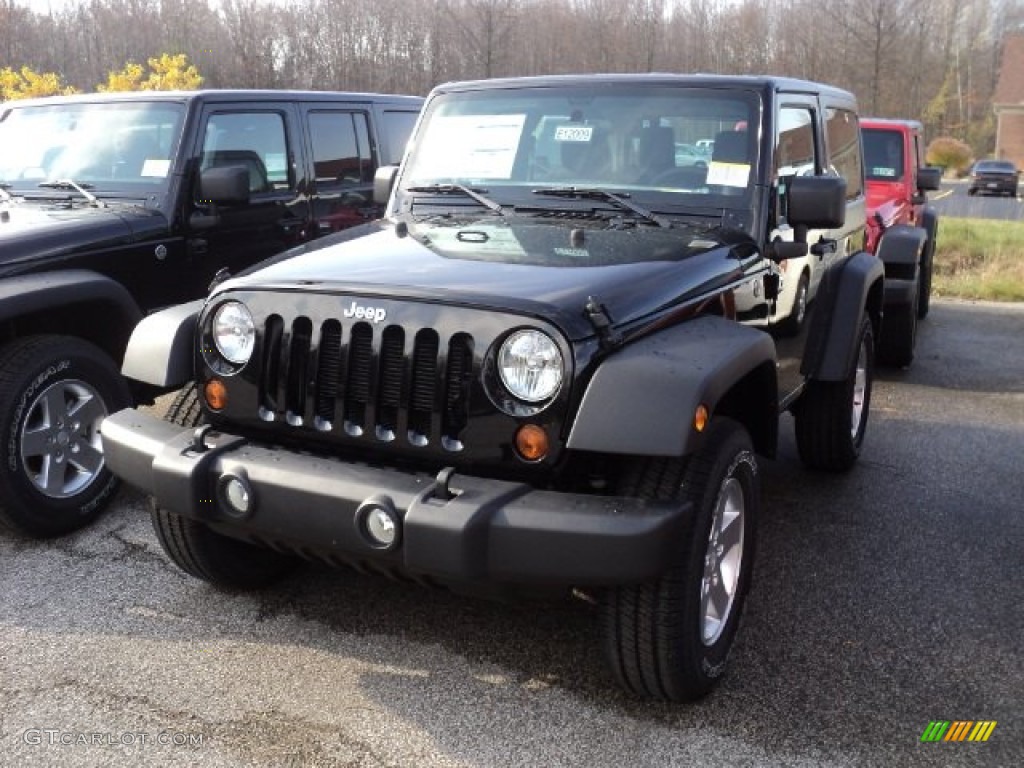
x: 198, y: 550
x: 54, y: 393
x: 654, y: 633
x: 899, y: 335
x: 924, y: 289
x: 830, y: 424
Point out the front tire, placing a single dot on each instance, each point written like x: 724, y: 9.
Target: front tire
x: 832, y: 416
x: 198, y: 550
x: 669, y: 639
x: 55, y: 392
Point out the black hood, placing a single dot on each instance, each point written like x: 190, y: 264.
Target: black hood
x: 520, y: 264
x: 30, y: 231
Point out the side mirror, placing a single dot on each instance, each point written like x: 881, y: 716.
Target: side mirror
x: 929, y: 178
x: 383, y: 182
x: 816, y: 202
x: 224, y: 185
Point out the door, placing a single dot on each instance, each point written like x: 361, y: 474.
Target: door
x: 264, y: 139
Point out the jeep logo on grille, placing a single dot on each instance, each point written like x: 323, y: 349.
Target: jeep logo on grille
x: 376, y: 314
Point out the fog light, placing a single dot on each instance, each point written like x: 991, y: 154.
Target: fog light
x: 236, y: 494
x: 532, y: 442
x: 379, y: 523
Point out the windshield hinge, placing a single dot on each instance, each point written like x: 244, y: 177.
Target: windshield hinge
x: 598, y: 317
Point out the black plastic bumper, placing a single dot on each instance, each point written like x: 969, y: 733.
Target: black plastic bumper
x: 465, y: 529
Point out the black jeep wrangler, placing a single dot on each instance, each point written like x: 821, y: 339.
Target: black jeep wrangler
x: 552, y: 364
x: 113, y: 205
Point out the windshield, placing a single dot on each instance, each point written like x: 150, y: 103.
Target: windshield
x: 113, y: 148
x: 662, y: 146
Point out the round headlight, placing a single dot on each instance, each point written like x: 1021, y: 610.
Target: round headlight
x: 530, y: 366
x: 234, y: 332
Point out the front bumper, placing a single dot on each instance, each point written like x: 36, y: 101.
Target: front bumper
x: 462, y: 529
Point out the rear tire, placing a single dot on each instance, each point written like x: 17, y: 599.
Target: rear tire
x: 832, y: 416
x: 899, y: 335
x: 924, y: 290
x: 792, y: 324
x: 194, y: 547
x: 669, y: 639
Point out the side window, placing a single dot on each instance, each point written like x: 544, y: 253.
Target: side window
x: 397, y: 128
x: 843, y: 134
x: 341, y: 148
x: 795, y: 153
x: 255, y: 140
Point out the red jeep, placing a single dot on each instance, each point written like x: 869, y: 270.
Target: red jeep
x: 901, y: 228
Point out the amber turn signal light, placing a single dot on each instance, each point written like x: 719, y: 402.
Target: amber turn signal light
x: 700, y: 418
x: 531, y: 442
x: 216, y: 394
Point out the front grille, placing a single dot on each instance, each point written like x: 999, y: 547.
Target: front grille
x: 362, y: 381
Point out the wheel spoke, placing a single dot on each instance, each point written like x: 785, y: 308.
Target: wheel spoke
x: 35, y: 442
x: 732, y: 533
x: 88, y: 459
x: 55, y: 405
x: 88, y: 410
x: 52, y: 477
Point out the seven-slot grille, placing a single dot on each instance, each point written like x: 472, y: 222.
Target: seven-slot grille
x: 360, y: 380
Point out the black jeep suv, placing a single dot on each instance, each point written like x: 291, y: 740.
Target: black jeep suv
x: 552, y: 364
x: 113, y: 205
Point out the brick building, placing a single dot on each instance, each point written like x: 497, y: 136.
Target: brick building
x: 1008, y: 101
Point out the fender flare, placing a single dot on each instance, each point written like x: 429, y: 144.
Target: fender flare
x: 24, y: 295
x: 845, y: 294
x: 642, y: 399
x: 162, y: 347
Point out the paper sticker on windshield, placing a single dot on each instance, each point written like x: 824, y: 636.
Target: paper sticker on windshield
x: 887, y: 172
x: 728, y: 174
x: 574, y: 133
x: 155, y: 168
x: 470, y: 147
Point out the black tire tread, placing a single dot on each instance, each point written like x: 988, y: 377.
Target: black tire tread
x: 642, y: 623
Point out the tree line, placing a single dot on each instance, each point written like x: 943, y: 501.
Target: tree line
x: 933, y: 60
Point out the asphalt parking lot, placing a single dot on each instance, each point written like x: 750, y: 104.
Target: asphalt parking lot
x: 882, y: 600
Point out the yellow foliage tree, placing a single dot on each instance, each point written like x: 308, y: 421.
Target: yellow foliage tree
x: 127, y: 79
x: 167, y: 72
x: 172, y: 73
x: 26, y: 83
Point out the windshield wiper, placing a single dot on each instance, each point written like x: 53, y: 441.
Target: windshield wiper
x: 459, y: 189
x: 593, y: 193
x: 81, y: 189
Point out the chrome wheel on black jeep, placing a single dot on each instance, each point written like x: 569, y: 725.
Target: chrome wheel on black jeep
x: 669, y: 639
x: 54, y: 393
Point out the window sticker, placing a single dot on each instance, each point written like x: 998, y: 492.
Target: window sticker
x: 728, y: 174
x: 583, y: 133
x: 155, y: 168
x: 883, y: 172
x: 470, y: 146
